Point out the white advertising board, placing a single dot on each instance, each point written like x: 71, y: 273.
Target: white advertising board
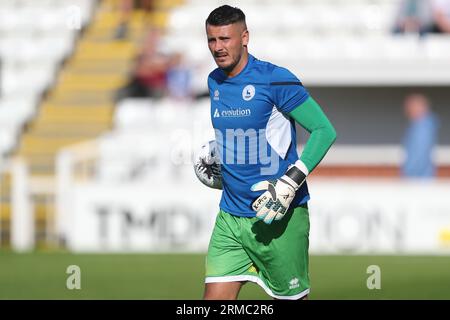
x: 379, y: 216
x: 347, y: 216
x: 144, y: 218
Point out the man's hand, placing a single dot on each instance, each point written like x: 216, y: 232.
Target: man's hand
x: 274, y: 203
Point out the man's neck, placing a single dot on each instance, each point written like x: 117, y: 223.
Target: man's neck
x: 239, y: 67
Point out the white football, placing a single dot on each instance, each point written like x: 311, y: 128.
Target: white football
x: 207, y: 165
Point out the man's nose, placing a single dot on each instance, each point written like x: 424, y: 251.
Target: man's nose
x: 218, y: 47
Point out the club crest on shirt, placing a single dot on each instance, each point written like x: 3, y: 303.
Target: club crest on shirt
x: 248, y: 93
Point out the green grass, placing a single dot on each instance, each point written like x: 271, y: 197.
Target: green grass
x: 151, y: 276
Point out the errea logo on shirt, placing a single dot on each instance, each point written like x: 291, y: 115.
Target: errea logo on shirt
x: 248, y: 93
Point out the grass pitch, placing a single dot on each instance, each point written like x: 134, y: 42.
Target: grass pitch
x: 180, y: 277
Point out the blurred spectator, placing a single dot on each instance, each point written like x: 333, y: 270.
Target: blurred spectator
x: 126, y: 8
x: 178, y: 78
x: 149, y: 77
x: 414, y: 16
x: 441, y: 14
x: 420, y: 137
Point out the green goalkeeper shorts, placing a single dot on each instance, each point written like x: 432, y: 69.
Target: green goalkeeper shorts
x: 275, y: 256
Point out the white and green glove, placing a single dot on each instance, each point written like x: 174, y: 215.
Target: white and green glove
x: 274, y: 203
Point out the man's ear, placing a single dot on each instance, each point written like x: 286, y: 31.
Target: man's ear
x: 245, y: 38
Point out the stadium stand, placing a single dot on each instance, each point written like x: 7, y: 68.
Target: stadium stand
x: 60, y: 67
x: 28, y: 30
x: 333, y: 45
x: 357, y: 34
x: 58, y: 83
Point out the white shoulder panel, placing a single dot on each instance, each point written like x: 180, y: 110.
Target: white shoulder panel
x: 278, y: 132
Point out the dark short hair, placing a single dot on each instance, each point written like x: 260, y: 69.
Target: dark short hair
x: 225, y: 15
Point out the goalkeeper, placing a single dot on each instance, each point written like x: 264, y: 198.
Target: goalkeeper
x: 262, y: 229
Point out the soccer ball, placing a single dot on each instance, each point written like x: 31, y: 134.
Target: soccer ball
x: 207, y: 165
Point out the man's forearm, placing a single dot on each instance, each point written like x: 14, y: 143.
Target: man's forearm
x: 311, y: 117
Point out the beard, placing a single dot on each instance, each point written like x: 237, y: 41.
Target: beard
x: 228, y: 68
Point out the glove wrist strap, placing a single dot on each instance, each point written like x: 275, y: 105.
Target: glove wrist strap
x: 296, y: 174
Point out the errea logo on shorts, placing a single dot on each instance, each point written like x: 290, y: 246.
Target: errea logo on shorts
x: 294, y: 283
x: 248, y: 93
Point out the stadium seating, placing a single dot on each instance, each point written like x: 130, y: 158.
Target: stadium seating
x: 35, y: 39
x: 57, y: 83
x: 27, y: 30
x: 329, y: 43
x: 299, y: 34
x: 60, y: 68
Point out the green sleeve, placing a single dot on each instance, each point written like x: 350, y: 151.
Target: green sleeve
x: 311, y: 117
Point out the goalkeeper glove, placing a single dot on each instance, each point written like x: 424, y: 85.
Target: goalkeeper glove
x: 274, y: 203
